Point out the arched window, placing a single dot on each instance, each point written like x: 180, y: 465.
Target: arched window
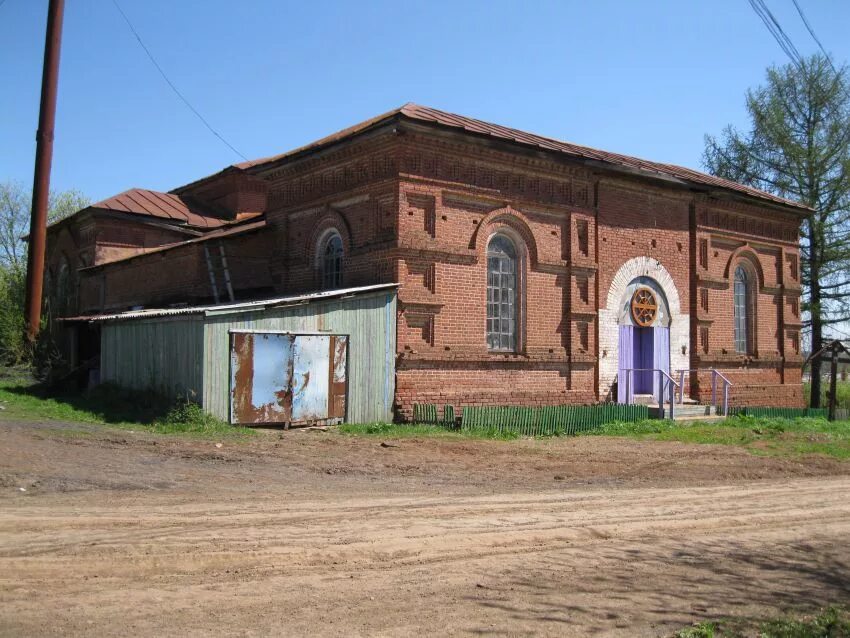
x: 63, y: 288
x: 743, y: 311
x: 330, y: 256
x: 502, y: 294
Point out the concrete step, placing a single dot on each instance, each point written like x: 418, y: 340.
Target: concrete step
x: 700, y: 419
x: 644, y: 399
x: 652, y: 400
x: 686, y: 411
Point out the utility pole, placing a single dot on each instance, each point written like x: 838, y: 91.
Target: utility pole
x: 43, y: 160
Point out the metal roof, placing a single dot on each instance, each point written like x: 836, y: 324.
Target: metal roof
x: 418, y: 113
x: 245, y: 306
x: 173, y: 209
x: 141, y: 201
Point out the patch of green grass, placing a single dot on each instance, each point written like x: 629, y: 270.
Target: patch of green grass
x: 842, y: 394
x: 833, y: 622
x: 403, y: 430
x: 22, y: 399
x: 702, y: 630
x: 186, y: 417
x: 759, y: 435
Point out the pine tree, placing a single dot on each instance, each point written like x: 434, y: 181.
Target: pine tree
x: 798, y: 147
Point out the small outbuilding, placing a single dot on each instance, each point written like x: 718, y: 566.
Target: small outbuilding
x: 327, y: 357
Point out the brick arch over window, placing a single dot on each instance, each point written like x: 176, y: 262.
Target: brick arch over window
x: 746, y: 256
x: 330, y: 220
x: 680, y: 320
x: 513, y: 220
x: 745, y: 300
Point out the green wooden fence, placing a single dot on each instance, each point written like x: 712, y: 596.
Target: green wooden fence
x: 427, y: 413
x: 782, y: 413
x: 549, y: 420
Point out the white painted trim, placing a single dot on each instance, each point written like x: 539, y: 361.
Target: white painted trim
x: 609, y: 342
x: 521, y: 283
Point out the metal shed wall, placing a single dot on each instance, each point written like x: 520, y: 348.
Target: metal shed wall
x: 163, y: 354
x: 368, y: 319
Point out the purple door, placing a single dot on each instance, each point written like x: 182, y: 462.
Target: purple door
x: 642, y: 348
x: 626, y: 346
x: 643, y: 360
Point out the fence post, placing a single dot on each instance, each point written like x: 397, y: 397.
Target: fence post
x: 714, y: 388
x: 725, y: 399
x: 672, y: 395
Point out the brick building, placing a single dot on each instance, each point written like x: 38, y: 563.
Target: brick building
x: 531, y: 271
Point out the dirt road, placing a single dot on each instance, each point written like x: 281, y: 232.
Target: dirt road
x: 171, y: 539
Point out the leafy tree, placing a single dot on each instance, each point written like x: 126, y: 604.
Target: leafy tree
x: 15, y: 202
x: 798, y: 147
x: 15, y: 207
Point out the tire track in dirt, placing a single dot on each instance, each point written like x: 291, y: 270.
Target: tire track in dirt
x: 520, y: 562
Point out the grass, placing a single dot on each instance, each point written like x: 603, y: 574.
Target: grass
x: 833, y: 622
x: 23, y: 399
x: 758, y: 435
x: 761, y: 436
x: 402, y: 430
x: 842, y: 392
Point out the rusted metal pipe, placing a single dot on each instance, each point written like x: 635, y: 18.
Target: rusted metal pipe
x: 43, y: 160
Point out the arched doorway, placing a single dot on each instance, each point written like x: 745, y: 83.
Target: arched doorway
x: 643, y: 337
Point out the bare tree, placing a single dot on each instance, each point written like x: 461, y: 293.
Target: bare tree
x: 15, y: 202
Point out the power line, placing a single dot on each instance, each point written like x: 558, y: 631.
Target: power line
x: 814, y: 37
x: 170, y: 83
x: 772, y: 24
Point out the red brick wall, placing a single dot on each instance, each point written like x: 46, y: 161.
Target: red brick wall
x: 230, y: 194
x: 178, y: 275
x: 451, y: 203
x: 116, y: 239
x: 419, y: 210
x: 428, y: 230
x: 637, y: 220
x: 727, y: 235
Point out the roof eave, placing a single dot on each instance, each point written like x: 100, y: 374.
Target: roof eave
x: 415, y: 124
x: 375, y: 127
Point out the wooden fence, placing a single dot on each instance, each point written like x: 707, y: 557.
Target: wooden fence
x: 537, y: 421
x: 427, y: 413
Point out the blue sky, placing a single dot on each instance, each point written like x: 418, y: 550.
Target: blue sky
x: 646, y: 78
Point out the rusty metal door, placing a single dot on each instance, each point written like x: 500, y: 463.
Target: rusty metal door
x: 287, y: 378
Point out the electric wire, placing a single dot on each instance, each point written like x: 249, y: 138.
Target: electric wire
x: 772, y: 24
x: 814, y: 36
x: 171, y: 84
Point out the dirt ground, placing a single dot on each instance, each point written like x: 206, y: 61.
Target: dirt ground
x: 296, y: 533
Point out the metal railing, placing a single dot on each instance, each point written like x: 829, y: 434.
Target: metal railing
x: 715, y: 375
x: 666, y: 384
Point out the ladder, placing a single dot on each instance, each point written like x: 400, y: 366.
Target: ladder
x: 218, y: 264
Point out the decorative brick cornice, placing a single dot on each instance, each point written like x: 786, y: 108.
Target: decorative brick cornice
x: 757, y: 223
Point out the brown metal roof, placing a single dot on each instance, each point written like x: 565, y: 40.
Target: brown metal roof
x: 139, y: 201
x: 429, y: 115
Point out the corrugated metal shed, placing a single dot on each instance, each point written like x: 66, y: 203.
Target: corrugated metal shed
x: 186, y: 351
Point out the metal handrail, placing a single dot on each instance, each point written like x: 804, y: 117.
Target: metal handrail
x: 661, y: 387
x: 714, y: 374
